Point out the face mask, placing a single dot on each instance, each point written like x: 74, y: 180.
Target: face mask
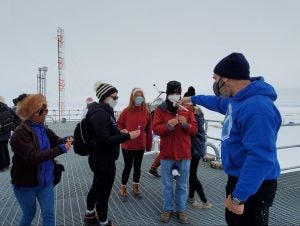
x: 174, y: 98
x: 138, y: 101
x: 216, y: 88
x: 112, y: 103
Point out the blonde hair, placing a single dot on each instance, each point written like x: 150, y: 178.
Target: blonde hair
x: 30, y: 105
x: 133, y: 93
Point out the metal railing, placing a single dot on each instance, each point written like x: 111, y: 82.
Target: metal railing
x: 289, y: 147
x: 217, y: 150
x: 68, y: 115
x: 75, y: 115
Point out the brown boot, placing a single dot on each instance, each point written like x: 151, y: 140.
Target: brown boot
x: 123, y: 193
x: 136, y: 190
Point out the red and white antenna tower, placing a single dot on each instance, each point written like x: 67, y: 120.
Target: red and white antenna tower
x: 61, y: 72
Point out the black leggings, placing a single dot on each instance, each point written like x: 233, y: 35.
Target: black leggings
x: 256, y: 212
x: 132, y: 157
x: 104, y: 175
x: 194, y: 182
x: 4, y: 155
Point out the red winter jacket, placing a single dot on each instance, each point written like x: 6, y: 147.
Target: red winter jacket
x: 174, y: 144
x: 132, y: 119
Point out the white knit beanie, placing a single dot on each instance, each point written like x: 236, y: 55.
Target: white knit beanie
x: 104, y: 90
x: 2, y: 99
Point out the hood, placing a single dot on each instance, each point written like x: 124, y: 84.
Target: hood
x: 258, y: 86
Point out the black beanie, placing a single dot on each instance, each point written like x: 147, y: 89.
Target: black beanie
x: 173, y: 87
x: 234, y: 66
x: 191, y: 92
x: 104, y: 90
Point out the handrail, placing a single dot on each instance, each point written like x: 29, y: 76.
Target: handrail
x: 217, y: 151
x: 289, y: 168
x: 75, y: 115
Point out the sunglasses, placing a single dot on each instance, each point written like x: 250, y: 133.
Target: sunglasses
x: 42, y: 110
x: 114, y: 97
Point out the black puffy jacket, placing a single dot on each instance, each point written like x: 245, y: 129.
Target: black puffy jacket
x: 104, y: 129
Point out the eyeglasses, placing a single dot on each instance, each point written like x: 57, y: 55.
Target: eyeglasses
x: 114, y: 97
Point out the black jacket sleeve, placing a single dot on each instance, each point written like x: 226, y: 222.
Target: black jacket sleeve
x: 106, y: 130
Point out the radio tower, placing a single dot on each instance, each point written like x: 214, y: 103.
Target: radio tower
x: 61, y: 72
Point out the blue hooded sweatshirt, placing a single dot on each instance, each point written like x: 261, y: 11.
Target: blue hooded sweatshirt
x: 249, y: 135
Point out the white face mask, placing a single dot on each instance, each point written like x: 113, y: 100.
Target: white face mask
x: 112, y: 103
x: 174, y: 98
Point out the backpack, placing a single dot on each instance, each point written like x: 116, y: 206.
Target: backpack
x: 83, y: 144
x: 7, y: 122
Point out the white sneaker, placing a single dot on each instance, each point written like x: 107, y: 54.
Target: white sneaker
x: 201, y: 205
x: 191, y: 200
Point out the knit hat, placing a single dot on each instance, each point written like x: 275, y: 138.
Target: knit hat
x: 191, y: 92
x: 104, y: 90
x: 89, y: 100
x: 135, y: 90
x: 2, y: 99
x: 30, y: 105
x: 173, y: 87
x: 234, y: 66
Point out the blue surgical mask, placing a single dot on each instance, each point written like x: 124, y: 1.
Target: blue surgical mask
x: 112, y: 103
x: 138, y: 101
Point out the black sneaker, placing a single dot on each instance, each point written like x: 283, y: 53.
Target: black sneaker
x: 154, y: 173
x: 91, y: 217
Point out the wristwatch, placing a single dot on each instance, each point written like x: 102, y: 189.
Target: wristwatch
x: 236, y: 201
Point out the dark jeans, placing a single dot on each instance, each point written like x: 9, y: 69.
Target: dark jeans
x: 4, y: 155
x: 256, y: 212
x: 194, y: 182
x: 104, y: 175
x: 132, y: 158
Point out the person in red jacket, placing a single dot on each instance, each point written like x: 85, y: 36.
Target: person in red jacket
x: 135, y: 116
x: 174, y: 124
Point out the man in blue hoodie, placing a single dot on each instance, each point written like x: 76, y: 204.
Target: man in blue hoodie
x: 249, y: 135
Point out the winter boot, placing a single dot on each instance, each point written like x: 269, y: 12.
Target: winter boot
x: 123, y: 193
x: 136, y: 190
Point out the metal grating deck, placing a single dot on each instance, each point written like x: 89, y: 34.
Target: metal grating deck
x: 71, y: 195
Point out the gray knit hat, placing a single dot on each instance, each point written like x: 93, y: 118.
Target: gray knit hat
x: 104, y: 90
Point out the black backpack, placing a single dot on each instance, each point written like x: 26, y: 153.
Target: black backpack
x: 83, y: 143
x: 7, y: 122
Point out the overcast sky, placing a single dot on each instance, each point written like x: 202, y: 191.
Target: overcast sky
x: 136, y: 43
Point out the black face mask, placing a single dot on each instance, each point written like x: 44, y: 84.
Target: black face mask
x: 217, y: 87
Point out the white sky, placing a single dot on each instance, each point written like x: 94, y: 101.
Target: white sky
x: 138, y: 43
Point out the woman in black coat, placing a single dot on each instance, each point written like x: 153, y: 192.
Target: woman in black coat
x: 107, y: 137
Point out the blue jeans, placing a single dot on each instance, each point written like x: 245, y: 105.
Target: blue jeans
x: 26, y: 197
x: 181, y: 190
